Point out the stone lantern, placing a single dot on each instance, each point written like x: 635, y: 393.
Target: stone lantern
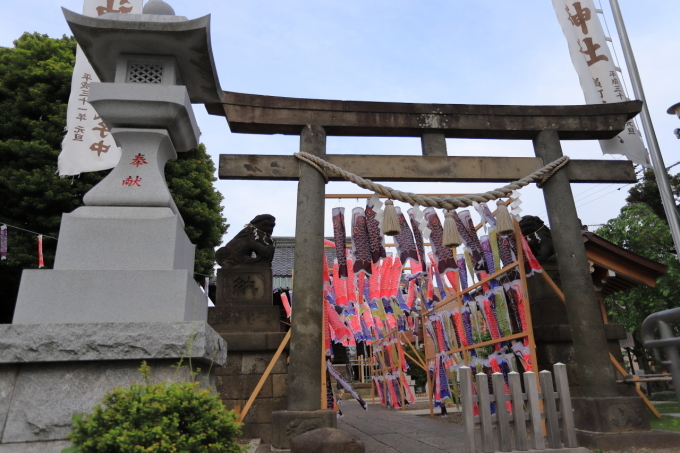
x: 124, y: 256
x: 122, y: 287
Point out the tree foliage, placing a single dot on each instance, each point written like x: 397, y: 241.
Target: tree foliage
x: 639, y: 229
x: 35, y: 82
x: 647, y: 191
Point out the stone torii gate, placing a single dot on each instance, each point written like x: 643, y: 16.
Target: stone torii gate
x: 546, y: 126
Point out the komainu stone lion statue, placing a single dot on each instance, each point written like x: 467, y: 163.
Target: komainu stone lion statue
x: 538, y: 236
x: 254, y: 239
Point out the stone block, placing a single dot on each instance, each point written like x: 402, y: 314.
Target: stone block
x: 22, y: 343
x: 274, y: 340
x: 262, y: 409
x: 82, y: 296
x: 234, y: 404
x: 326, y: 440
x: 289, y: 424
x: 258, y: 430
x: 255, y: 318
x: 610, y: 414
x: 233, y: 365
x: 241, y: 387
x: 247, y: 285
x: 45, y: 396
x: 245, y: 341
x: 280, y: 385
x: 256, y: 363
x: 123, y: 238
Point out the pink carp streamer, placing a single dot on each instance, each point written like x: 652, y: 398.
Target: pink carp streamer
x: 286, y: 304
x: 361, y: 248
x: 340, y: 238
x: 445, y: 260
x: 339, y: 286
x: 531, y: 264
x: 375, y: 236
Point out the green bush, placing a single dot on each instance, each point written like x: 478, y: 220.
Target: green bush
x: 157, y: 418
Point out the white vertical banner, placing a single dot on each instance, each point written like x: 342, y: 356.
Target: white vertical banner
x: 600, y: 81
x: 88, y: 144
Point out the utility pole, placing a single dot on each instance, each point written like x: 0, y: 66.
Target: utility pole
x: 658, y: 165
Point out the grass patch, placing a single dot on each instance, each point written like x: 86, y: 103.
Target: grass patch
x: 665, y: 423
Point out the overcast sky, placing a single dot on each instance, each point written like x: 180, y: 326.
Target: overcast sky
x: 481, y: 52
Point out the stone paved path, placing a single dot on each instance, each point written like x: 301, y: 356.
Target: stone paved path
x: 387, y: 431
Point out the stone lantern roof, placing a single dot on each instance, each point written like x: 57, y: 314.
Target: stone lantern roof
x: 106, y: 38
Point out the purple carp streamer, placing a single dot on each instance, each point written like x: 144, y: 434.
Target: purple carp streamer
x: 339, y: 235
x: 406, y: 246
x: 476, y: 250
x: 445, y: 259
x: 361, y: 248
x: 418, y: 235
x: 375, y: 236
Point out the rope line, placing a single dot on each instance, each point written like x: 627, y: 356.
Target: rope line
x: 446, y: 202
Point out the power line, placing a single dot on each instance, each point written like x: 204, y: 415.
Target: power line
x: 29, y: 231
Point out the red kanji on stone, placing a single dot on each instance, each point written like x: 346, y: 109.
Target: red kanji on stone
x: 138, y: 160
x: 102, y: 129
x: 130, y: 182
x: 110, y: 8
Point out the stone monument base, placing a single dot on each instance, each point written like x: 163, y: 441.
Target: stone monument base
x: 249, y: 355
x: 289, y: 424
x: 49, y: 372
x: 618, y: 414
x: 623, y: 441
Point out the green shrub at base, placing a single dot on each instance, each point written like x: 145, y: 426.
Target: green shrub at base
x: 157, y: 418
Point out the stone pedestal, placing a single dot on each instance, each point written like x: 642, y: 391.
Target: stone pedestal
x: 115, y: 264
x: 49, y: 372
x: 244, y: 285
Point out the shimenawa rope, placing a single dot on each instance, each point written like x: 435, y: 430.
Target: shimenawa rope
x: 445, y: 202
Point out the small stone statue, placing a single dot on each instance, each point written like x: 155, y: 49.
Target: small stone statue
x: 255, y: 238
x: 539, y: 237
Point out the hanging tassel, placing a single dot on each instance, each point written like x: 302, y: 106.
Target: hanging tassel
x: 41, y: 261
x: 504, y: 223
x: 390, y: 223
x: 451, y: 238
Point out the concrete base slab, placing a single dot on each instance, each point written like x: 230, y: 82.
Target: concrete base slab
x: 35, y: 447
x: 35, y: 343
x: 289, y: 424
x: 620, y: 441
x: 326, y: 440
x: 81, y: 296
x: 611, y: 414
x: 48, y: 373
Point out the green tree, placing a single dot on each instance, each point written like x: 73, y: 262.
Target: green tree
x: 647, y: 191
x: 639, y: 229
x: 35, y: 82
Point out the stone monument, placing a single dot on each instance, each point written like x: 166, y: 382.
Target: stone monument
x: 122, y: 287
x: 244, y: 315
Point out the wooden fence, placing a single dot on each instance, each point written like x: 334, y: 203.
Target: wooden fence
x: 528, y: 426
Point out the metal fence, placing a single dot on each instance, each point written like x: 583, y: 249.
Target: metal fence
x: 668, y: 342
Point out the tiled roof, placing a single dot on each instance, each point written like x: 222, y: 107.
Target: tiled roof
x: 282, y: 264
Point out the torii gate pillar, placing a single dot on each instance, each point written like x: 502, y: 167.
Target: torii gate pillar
x: 304, y: 369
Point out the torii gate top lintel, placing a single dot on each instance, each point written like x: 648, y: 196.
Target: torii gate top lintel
x: 257, y: 114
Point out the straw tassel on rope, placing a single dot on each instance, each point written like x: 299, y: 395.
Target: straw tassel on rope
x: 390, y: 221
x: 504, y: 223
x: 451, y: 238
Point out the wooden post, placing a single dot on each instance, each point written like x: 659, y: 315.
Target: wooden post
x: 550, y: 409
x: 521, y: 441
x: 588, y: 337
x: 502, y: 416
x: 467, y: 408
x: 534, y: 410
x: 304, y: 370
x: 568, y: 427
x: 485, y: 412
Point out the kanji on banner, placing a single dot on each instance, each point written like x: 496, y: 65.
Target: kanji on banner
x: 88, y: 144
x: 597, y: 73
